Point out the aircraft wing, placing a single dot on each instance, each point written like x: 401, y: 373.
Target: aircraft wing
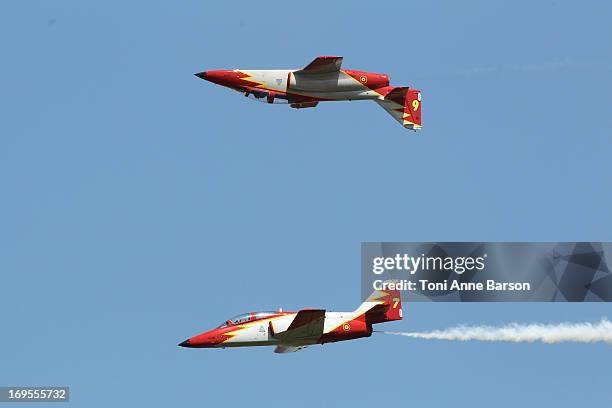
x: 321, y: 65
x: 307, y: 324
x: 282, y: 349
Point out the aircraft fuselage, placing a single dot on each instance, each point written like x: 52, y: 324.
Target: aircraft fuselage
x: 291, y: 331
x: 322, y: 80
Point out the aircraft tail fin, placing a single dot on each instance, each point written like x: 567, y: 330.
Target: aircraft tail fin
x: 404, y: 104
x: 382, y: 306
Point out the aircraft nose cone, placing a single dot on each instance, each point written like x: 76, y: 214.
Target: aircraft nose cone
x: 201, y: 75
x: 186, y: 343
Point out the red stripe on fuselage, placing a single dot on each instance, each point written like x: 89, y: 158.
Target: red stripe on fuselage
x: 218, y: 336
x: 370, y: 80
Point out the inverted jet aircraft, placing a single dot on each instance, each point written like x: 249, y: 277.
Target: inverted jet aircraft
x: 293, y: 331
x: 322, y: 80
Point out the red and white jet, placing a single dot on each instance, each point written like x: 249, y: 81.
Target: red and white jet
x: 323, y: 80
x: 293, y: 331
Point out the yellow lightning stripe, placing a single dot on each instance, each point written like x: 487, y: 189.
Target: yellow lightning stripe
x: 353, y: 318
x: 263, y: 85
x: 406, y: 115
x: 245, y: 326
x: 248, y: 78
x: 360, y: 83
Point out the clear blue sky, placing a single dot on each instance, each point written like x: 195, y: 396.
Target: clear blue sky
x: 141, y: 205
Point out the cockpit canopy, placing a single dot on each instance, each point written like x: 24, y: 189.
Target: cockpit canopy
x: 246, y: 317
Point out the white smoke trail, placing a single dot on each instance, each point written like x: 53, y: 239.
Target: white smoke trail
x: 516, y: 332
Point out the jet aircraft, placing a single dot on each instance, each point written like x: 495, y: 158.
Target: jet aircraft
x: 322, y: 80
x: 293, y: 331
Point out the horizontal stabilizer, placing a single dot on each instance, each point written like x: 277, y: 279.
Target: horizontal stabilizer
x: 397, y: 94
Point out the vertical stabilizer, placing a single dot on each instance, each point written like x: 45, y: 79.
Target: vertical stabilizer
x: 382, y: 305
x: 404, y: 104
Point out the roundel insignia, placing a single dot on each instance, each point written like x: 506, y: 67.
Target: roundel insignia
x: 363, y: 79
x: 346, y: 327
